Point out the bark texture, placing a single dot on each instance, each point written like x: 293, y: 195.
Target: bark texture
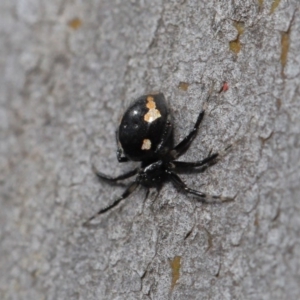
x: 68, y: 69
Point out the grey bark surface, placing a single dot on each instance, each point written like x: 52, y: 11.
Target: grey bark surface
x: 69, y: 69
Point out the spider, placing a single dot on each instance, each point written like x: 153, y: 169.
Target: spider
x: 145, y: 134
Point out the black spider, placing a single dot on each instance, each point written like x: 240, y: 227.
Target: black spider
x: 145, y: 134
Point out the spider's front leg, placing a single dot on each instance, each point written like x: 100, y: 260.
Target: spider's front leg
x: 184, y: 145
x: 130, y: 189
x: 103, y: 176
x: 120, y: 153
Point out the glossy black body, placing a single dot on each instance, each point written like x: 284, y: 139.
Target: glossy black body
x: 134, y: 129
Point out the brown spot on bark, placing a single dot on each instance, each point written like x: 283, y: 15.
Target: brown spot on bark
x: 183, y: 86
x: 235, y: 46
x: 285, y: 45
x: 175, y: 266
x: 75, y: 23
x: 274, y: 6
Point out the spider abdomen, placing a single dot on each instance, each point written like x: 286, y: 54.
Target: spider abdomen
x: 145, y: 131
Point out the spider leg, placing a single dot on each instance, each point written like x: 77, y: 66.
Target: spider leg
x: 130, y: 189
x: 110, y: 178
x: 183, y: 146
x: 185, y: 167
x: 210, y: 160
x: 203, y: 197
x: 121, y: 158
x: 145, y: 198
x: 206, y: 162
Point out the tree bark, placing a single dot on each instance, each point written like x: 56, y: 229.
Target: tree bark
x: 69, y: 69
